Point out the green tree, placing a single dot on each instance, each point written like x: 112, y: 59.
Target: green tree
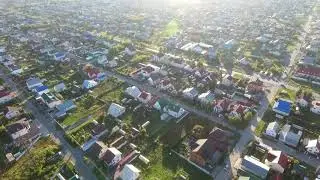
x: 248, y: 116
x: 197, y: 131
x: 2, y: 131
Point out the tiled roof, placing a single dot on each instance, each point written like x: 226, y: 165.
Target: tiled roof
x: 313, y: 71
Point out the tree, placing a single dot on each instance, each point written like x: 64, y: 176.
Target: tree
x: 248, y: 116
x: 308, y: 95
x: 2, y: 131
x: 299, y: 92
x: 197, y: 131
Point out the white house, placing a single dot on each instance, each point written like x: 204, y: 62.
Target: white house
x: 165, y: 106
x: 206, y: 98
x: 133, y: 91
x: 315, y: 107
x: 302, y: 102
x: 18, y: 129
x: 59, y: 87
x: 89, y: 84
x: 190, y: 93
x: 273, y: 129
x: 174, y: 110
x: 130, y: 172
x: 313, y: 146
x: 116, y: 110
x: 13, y: 112
x: 112, y: 156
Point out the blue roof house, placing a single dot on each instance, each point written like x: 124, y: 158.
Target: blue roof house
x: 282, y: 107
x: 64, y: 108
x: 41, y: 89
x: 59, y: 56
x: 89, y: 84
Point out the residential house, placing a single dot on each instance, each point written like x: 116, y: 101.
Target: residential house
x: 15, y: 69
x: 277, y: 161
x: 18, y: 129
x: 315, y: 107
x: 144, y: 97
x: 254, y: 166
x: 64, y: 108
x: 164, y: 106
x: 254, y: 87
x: 97, y: 150
x: 165, y: 85
x: 130, y: 172
x: 237, y: 110
x: 39, y: 90
x: 282, y: 107
x: 59, y: 56
x: 49, y: 99
x: 59, y: 87
x: 130, y: 51
x: 190, y: 93
x: 227, y: 80
x: 33, y: 83
x: 291, y: 135
x: 12, y: 112
x: 89, y: 84
x: 115, y: 110
x: 133, y: 91
x: 206, y: 98
x: 145, y: 72
x: 6, y: 96
x: 273, y: 129
x: 112, y: 156
x: 313, y: 146
x: 210, y: 149
x: 222, y: 105
x: 302, y: 102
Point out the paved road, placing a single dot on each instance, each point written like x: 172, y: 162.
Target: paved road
x: 48, y: 125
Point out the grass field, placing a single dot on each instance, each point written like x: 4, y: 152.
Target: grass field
x: 171, y: 28
x: 86, y: 106
x: 35, y: 164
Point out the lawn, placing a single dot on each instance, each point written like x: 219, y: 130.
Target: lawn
x: 260, y: 128
x: 286, y: 94
x: 36, y: 164
x: 166, y: 165
x: 141, y: 116
x: 107, y: 86
x: 171, y: 28
x: 86, y: 106
x: 116, y: 95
